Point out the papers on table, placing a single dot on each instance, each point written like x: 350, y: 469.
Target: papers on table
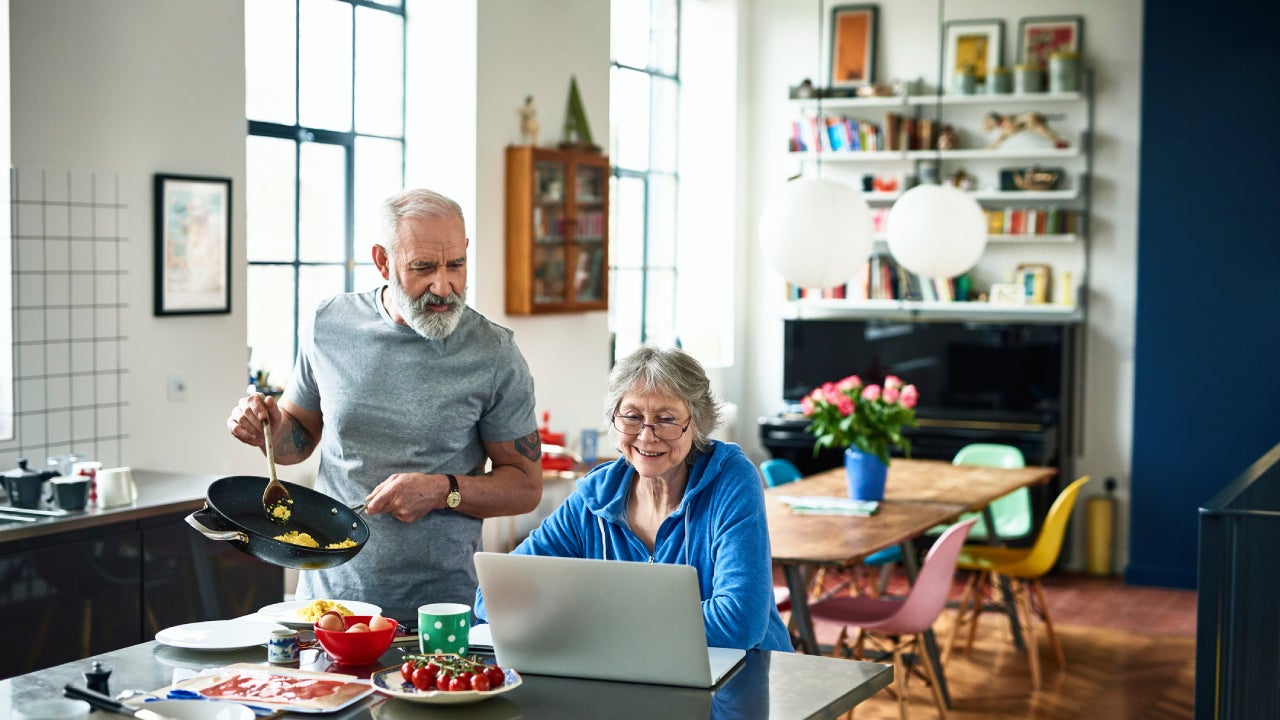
x: 827, y: 505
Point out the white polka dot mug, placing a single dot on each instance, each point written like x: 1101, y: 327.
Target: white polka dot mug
x: 444, y: 628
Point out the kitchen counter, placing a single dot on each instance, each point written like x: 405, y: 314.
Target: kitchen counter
x: 778, y: 686
x: 92, y: 581
x: 159, y: 493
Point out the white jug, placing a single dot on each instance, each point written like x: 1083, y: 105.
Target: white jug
x: 116, y: 487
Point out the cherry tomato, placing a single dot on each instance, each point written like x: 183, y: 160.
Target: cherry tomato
x: 422, y: 679
x: 406, y: 670
x: 433, y: 666
x: 480, y: 681
x: 496, y: 675
x: 442, y: 679
x: 459, y: 684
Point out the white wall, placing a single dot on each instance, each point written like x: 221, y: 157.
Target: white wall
x: 136, y: 87
x: 532, y: 47
x: 784, y: 49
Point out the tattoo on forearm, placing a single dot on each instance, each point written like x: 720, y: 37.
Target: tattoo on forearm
x: 530, y: 446
x: 300, y: 437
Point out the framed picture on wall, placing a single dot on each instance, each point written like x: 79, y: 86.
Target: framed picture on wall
x: 853, y: 46
x: 978, y: 44
x: 1040, y: 37
x: 193, y: 245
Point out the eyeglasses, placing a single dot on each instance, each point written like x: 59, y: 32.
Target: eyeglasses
x: 665, y: 430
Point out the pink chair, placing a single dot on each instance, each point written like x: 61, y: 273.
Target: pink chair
x: 898, y: 626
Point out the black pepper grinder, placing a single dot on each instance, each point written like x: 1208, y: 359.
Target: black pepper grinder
x: 98, y: 678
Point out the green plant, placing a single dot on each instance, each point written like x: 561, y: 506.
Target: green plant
x: 868, y: 417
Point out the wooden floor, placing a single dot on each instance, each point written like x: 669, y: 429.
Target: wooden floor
x: 1130, y: 654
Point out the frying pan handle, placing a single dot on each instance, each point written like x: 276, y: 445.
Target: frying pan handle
x: 214, y: 534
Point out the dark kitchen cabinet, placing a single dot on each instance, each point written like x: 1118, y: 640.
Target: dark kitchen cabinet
x: 70, y: 594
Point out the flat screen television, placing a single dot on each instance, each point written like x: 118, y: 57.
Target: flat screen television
x: 962, y: 370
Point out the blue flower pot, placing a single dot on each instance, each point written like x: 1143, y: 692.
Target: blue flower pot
x: 865, y: 474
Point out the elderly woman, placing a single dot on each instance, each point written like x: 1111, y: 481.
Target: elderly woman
x: 675, y: 496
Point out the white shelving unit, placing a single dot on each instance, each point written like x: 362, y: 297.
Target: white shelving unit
x: 1070, y: 115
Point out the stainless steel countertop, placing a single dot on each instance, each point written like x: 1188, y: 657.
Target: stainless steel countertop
x: 159, y: 493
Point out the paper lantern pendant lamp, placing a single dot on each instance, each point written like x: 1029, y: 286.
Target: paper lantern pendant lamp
x: 936, y: 231
x: 816, y: 233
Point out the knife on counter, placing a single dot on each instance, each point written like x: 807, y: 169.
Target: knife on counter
x: 109, y: 704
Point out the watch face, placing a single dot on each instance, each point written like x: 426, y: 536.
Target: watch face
x: 453, y: 499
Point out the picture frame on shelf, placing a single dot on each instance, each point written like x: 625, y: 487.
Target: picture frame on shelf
x: 852, y: 50
x: 192, y: 245
x: 1040, y: 37
x: 976, y: 43
x: 1033, y: 278
x: 1006, y: 294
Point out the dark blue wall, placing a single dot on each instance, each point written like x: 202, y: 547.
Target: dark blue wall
x: 1207, y: 354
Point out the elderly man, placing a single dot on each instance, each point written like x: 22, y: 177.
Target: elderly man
x: 406, y: 391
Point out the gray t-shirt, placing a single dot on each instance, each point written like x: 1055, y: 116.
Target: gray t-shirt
x: 394, y: 401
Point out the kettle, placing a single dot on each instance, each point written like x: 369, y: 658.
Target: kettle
x: 26, y: 486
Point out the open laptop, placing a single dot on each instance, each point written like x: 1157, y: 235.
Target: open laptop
x: 600, y: 619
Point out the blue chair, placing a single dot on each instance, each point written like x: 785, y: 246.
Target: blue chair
x: 780, y: 471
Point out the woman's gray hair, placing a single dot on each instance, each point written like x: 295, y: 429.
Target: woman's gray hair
x: 669, y: 371
x: 419, y: 203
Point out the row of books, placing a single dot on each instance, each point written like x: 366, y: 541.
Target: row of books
x: 548, y: 224
x: 882, y: 278
x: 1032, y: 221
x: 843, y: 133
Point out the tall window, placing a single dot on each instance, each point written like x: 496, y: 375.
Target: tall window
x: 644, y: 94
x: 325, y: 102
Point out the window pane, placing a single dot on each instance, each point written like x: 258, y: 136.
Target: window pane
x: 662, y: 222
x: 665, y: 110
x: 270, y: 34
x: 625, y: 292
x: 316, y: 283
x: 629, y: 22
x: 626, y: 248
x: 322, y: 219
x: 269, y: 198
x: 379, y: 175
x: 660, y: 302
x: 270, y: 320
x: 666, y: 37
x: 629, y: 113
x: 367, y: 277
x: 379, y: 72
x: 324, y: 95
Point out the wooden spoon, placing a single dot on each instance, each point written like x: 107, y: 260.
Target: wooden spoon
x: 275, y: 499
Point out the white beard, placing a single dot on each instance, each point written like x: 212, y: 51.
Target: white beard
x: 425, y: 321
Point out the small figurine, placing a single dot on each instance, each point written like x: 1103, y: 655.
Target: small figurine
x: 528, y: 121
x: 1010, y: 125
x: 947, y: 139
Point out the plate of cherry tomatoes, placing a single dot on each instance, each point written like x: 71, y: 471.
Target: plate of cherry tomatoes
x: 444, y: 680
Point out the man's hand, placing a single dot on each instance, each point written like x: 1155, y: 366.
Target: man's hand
x: 294, y: 431
x: 407, y: 497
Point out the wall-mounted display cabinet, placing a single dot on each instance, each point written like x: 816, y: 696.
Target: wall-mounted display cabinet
x: 557, y: 231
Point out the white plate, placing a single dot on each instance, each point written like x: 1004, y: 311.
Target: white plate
x: 286, y: 613
x: 390, y: 682
x: 217, y: 634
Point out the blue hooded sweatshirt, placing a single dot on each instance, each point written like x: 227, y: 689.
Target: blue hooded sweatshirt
x: 719, y: 528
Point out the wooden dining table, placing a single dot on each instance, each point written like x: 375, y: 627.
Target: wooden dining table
x: 919, y: 494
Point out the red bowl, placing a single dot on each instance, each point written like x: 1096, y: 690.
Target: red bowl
x: 358, y: 648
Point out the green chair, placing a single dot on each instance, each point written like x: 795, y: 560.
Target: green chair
x: 1012, y: 513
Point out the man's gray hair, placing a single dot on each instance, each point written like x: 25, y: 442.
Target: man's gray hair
x: 419, y: 203
x: 669, y: 371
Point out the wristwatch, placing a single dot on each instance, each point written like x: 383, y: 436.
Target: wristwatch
x: 454, y: 498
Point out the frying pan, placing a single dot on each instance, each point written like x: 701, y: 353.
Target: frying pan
x: 233, y: 512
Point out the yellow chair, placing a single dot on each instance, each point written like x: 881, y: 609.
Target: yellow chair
x: 1023, y: 567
